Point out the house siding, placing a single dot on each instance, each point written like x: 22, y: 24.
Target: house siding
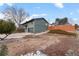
x: 30, y: 27
x: 36, y: 25
x: 40, y: 26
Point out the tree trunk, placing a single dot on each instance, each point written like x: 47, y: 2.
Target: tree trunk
x: 4, y: 37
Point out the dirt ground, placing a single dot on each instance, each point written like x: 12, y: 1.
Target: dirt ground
x: 50, y: 44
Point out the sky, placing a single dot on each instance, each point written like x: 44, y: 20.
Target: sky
x: 49, y: 11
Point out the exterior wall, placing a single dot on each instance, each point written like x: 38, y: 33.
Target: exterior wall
x: 30, y: 25
x: 62, y: 27
x: 40, y: 26
x: 36, y: 26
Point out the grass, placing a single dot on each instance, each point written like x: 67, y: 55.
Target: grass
x: 62, y: 32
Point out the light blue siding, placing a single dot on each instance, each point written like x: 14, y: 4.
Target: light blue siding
x: 37, y: 25
x: 40, y: 26
x: 30, y: 27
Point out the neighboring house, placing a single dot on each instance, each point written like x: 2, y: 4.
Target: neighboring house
x: 36, y: 25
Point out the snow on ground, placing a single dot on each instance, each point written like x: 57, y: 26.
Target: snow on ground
x: 37, y: 53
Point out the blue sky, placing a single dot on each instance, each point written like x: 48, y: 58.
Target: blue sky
x: 50, y: 11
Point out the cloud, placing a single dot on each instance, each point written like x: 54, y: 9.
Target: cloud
x: 38, y: 15
x: 35, y: 15
x: 71, y: 13
x: 59, y: 5
x: 75, y: 19
x: 1, y: 4
x: 38, y: 7
x: 9, y: 4
x: 43, y: 14
x: 78, y: 11
x: 1, y: 16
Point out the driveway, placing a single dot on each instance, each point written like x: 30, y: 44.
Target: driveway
x: 17, y: 35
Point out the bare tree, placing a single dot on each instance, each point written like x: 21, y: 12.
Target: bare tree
x: 16, y: 15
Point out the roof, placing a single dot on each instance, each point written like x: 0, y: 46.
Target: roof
x: 26, y: 20
x: 35, y: 19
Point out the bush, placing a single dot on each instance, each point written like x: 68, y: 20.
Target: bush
x: 6, y: 27
x: 62, y: 32
x: 3, y: 50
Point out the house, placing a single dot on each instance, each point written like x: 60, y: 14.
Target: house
x: 36, y: 25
